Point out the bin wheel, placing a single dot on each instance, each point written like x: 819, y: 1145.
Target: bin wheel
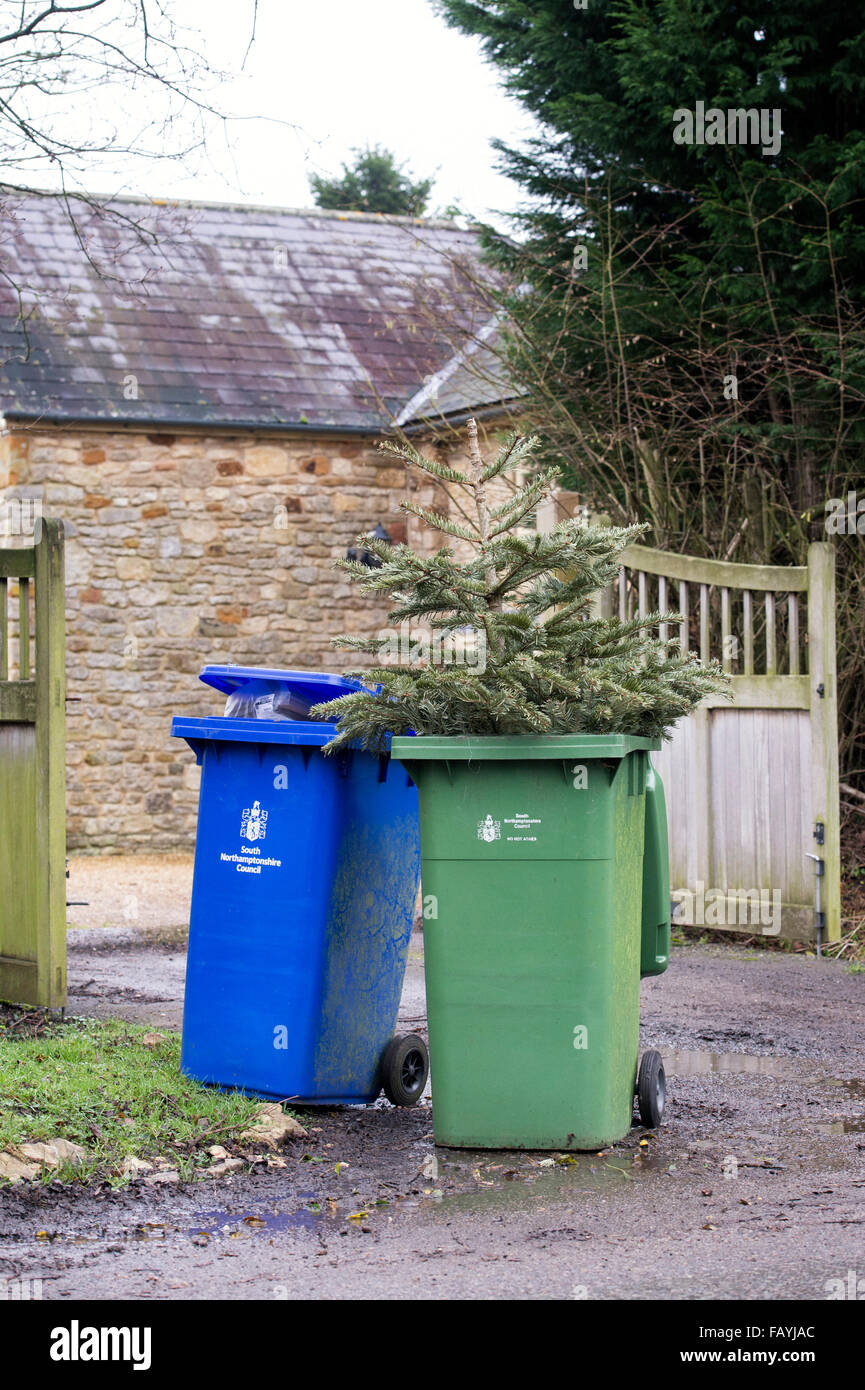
x: 404, y: 1069
x: 651, y: 1089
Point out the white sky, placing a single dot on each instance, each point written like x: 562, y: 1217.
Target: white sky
x: 348, y: 73
x: 327, y: 76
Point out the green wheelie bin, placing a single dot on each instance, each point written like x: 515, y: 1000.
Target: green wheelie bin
x: 546, y: 892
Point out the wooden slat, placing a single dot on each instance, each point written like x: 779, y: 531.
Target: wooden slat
x: 623, y: 587
x: 684, y: 635
x: 18, y: 978
x: 641, y: 591
x: 716, y: 572
x: 18, y: 702
x: 704, y: 622
x: 662, y: 605
x: 17, y: 564
x: 701, y: 771
x: 771, y: 654
x: 726, y: 655
x: 4, y: 628
x: 24, y: 630
x: 793, y: 633
x: 748, y: 634
x: 764, y: 692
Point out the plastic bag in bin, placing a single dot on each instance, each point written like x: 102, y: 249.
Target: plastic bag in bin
x: 274, y: 704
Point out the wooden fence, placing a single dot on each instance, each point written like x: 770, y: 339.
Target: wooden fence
x: 752, y: 784
x: 33, y: 772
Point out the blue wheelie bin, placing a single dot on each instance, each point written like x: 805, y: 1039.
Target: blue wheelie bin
x: 305, y: 881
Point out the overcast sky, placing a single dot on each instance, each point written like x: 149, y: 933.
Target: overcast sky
x: 324, y: 77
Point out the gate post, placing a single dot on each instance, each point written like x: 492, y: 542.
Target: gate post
x: 33, y: 777
x: 50, y: 630
x: 825, y: 803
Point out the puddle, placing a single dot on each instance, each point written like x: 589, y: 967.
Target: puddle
x: 514, y: 1179
x: 244, y: 1224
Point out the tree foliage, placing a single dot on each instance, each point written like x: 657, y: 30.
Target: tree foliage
x: 549, y: 665
x: 373, y: 183
x: 688, y: 320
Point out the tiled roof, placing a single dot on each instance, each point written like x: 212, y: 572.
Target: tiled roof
x: 214, y: 315
x: 472, y: 378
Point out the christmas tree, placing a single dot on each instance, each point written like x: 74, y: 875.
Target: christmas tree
x: 514, y: 647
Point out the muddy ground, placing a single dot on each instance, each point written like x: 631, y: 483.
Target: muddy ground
x: 754, y: 1187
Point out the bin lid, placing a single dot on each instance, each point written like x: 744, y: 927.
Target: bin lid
x: 314, y: 686
x: 519, y: 747
x: 263, y: 732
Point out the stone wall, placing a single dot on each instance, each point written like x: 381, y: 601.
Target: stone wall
x: 183, y: 550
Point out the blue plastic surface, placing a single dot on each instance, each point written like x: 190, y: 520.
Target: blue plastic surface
x: 306, y: 874
x: 315, y: 686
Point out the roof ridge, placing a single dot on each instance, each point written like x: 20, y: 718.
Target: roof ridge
x: 143, y: 200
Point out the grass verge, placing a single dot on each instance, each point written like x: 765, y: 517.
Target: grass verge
x: 101, y: 1086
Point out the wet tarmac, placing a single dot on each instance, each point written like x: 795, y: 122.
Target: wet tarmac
x: 754, y: 1186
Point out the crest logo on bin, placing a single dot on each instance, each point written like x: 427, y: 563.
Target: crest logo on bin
x: 253, y: 823
x: 489, y: 829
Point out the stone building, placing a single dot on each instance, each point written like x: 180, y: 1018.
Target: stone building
x: 199, y: 391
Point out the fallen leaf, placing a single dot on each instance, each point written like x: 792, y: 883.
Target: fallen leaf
x: 228, y: 1165
x: 15, y: 1169
x: 53, y: 1154
x: 273, y: 1127
x: 132, y: 1166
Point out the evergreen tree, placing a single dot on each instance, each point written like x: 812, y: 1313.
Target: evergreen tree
x: 549, y: 666
x: 689, y: 325
x: 374, y: 183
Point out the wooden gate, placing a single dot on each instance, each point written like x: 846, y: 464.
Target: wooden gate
x: 752, y: 784
x: 33, y: 771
